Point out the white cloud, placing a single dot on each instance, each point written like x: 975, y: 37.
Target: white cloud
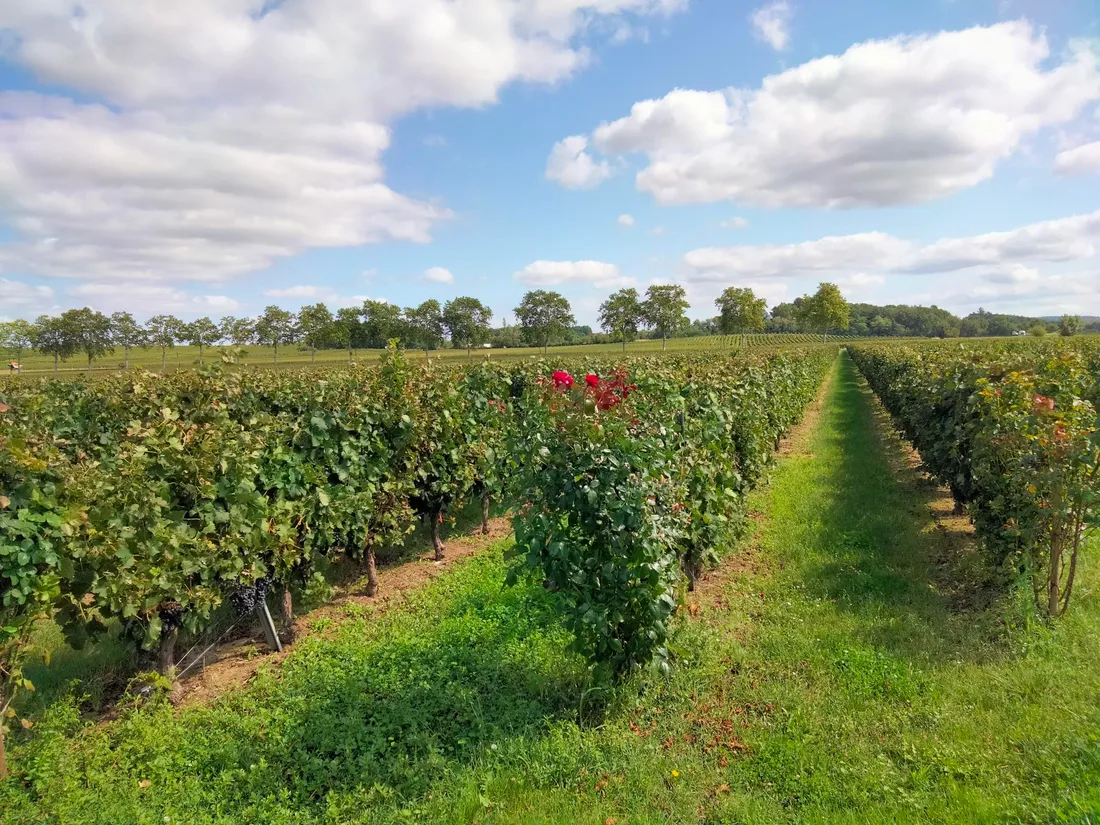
x: 830, y: 254
x: 1064, y: 239
x: 439, y: 275
x: 771, y: 24
x: 234, y: 133
x: 145, y: 298
x: 572, y: 167
x: 898, y: 121
x: 303, y: 291
x: 734, y: 223
x: 657, y: 231
x: 18, y: 298
x: 998, y: 257
x: 626, y: 221
x: 1079, y: 160
x: 585, y: 273
x: 101, y: 194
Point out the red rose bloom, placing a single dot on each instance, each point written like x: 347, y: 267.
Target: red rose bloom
x: 562, y: 380
x: 592, y: 380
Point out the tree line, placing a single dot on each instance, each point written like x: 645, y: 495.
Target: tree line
x: 544, y: 318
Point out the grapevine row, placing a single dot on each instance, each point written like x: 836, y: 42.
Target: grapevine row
x: 152, y: 500
x: 1013, y: 431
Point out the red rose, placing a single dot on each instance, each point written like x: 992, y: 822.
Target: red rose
x: 562, y: 379
x: 592, y: 380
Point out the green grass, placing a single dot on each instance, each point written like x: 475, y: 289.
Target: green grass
x: 186, y: 357
x: 853, y: 684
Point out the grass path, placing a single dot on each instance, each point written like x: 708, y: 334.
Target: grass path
x: 831, y: 674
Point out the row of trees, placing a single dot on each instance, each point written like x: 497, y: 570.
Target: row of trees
x: 901, y: 321
x: 463, y: 322
x: 543, y: 318
x: 739, y: 311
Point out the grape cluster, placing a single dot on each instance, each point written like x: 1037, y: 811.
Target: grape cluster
x: 243, y: 600
x: 247, y: 597
x: 171, y: 615
x: 263, y: 585
x: 519, y: 382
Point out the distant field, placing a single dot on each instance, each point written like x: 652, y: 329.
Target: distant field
x: 188, y: 357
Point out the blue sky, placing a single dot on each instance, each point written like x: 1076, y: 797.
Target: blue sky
x: 216, y: 158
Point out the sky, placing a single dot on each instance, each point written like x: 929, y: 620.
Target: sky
x: 216, y: 156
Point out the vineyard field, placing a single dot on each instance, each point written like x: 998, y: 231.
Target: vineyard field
x: 729, y: 592
x: 187, y: 357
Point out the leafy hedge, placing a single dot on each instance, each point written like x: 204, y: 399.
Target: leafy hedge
x: 153, y: 500
x: 1013, y: 430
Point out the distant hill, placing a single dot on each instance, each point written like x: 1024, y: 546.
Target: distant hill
x: 1088, y: 319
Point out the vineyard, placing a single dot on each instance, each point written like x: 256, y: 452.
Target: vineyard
x: 529, y: 685
x: 290, y: 358
x: 1012, y: 431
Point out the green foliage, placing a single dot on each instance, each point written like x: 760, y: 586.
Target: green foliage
x: 16, y: 337
x: 740, y: 310
x: 826, y: 309
x: 1013, y: 431
x: 1070, y: 325
x: 164, y: 331
x: 315, y: 323
x: 621, y: 314
x: 425, y: 325
x: 51, y: 337
x: 276, y: 326
x: 665, y: 309
x: 466, y: 321
x: 544, y: 316
x: 88, y: 331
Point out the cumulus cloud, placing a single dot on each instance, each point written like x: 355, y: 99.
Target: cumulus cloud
x: 1079, y: 160
x: 626, y: 221
x: 1064, y: 239
x: 997, y: 257
x: 771, y: 24
x: 216, y: 137
x: 562, y: 273
x: 888, y: 122
x: 21, y: 298
x: 145, y: 298
x: 439, y: 275
x: 573, y: 167
x: 830, y: 254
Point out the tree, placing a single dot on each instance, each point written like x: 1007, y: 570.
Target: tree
x: 16, y: 336
x: 1071, y: 325
x: 201, y: 333
x: 664, y: 310
x: 276, y: 326
x: 1038, y: 329
x: 824, y: 310
x: 90, y: 332
x: 621, y: 314
x: 316, y: 325
x: 51, y: 337
x: 127, y: 333
x: 347, y: 330
x: 425, y: 325
x: 466, y: 321
x: 543, y: 317
x: 740, y: 311
x: 381, y: 322
x: 240, y: 331
x: 164, y: 331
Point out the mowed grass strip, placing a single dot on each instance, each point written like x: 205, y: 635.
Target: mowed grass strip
x: 837, y: 678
